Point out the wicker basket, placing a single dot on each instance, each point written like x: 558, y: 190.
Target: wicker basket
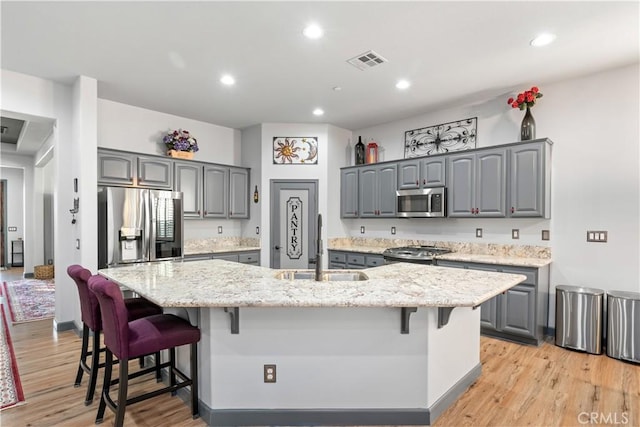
x: 43, y: 272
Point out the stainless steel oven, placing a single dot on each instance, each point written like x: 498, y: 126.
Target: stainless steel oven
x: 422, y: 203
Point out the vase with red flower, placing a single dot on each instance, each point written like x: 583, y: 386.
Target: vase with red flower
x: 526, y: 100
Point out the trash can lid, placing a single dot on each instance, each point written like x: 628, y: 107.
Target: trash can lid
x: 624, y: 295
x: 580, y: 290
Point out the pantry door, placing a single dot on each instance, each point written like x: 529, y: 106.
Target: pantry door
x: 294, y: 212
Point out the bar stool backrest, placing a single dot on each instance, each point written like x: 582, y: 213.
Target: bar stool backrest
x: 89, y: 305
x: 115, y: 324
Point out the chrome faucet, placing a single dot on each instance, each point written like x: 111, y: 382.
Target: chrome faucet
x: 319, y: 250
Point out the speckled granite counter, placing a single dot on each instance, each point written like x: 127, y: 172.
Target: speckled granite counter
x: 217, y: 283
x: 485, y: 253
x: 220, y: 245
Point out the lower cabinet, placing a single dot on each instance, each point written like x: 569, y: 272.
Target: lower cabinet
x: 354, y: 260
x: 244, y: 257
x: 520, y: 313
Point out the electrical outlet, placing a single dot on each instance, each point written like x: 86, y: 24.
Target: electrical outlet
x: 362, y: 229
x: 269, y: 373
x: 515, y: 233
x: 77, y: 243
x: 393, y: 230
x: 545, y: 235
x: 219, y: 229
x: 597, y: 236
x: 478, y: 232
x: 257, y: 230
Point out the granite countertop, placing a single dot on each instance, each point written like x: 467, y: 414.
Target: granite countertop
x: 218, y: 283
x: 499, y: 254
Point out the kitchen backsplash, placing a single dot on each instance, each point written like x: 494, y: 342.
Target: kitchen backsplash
x: 219, y: 243
x: 505, y: 250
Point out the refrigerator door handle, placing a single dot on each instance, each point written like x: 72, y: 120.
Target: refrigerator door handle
x: 150, y: 225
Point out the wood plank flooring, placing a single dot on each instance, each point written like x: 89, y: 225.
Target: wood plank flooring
x: 519, y: 385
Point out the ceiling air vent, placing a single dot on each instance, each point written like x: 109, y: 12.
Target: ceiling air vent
x: 366, y: 60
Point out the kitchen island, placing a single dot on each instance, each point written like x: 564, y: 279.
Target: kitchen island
x: 396, y: 348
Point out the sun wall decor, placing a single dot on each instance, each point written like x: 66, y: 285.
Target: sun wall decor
x: 295, y: 150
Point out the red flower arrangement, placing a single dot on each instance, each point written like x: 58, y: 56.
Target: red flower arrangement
x: 526, y: 98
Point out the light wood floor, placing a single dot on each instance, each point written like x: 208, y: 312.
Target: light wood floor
x: 519, y: 385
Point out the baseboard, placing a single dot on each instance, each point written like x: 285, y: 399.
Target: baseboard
x: 336, y: 417
x: 64, y: 326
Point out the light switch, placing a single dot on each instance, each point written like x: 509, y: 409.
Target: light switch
x: 219, y: 229
x: 362, y: 229
x: 478, y: 232
x: 545, y: 234
x: 597, y: 236
x: 393, y: 230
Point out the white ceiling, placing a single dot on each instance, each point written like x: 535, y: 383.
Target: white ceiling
x: 169, y: 56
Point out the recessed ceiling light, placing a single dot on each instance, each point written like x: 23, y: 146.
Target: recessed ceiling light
x: 227, y: 80
x: 313, y: 31
x: 543, y: 39
x: 318, y: 112
x: 403, y: 84
x: 337, y: 88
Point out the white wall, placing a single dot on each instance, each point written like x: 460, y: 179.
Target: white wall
x: 340, y: 144
x: 252, y: 158
x: 594, y: 123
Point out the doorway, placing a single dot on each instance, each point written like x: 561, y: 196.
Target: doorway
x: 3, y: 213
x: 293, y: 220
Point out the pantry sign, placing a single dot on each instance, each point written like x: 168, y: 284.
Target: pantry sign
x: 294, y: 227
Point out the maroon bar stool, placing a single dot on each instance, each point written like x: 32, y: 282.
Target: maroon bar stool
x: 91, y: 322
x: 130, y: 339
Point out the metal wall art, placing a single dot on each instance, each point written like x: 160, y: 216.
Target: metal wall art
x: 295, y: 150
x: 438, y: 139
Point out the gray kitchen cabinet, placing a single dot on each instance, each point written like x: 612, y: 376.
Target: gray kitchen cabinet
x: 216, y: 191
x: 188, y: 180
x: 422, y: 173
x: 349, y: 193
x: 116, y: 167
x: 155, y: 172
x: 478, y: 184
x: 520, y: 313
x: 353, y: 260
x: 238, y: 193
x: 244, y: 257
x: 377, y: 190
x: 529, y: 179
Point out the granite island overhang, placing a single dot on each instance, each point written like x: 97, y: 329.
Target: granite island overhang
x: 343, y: 349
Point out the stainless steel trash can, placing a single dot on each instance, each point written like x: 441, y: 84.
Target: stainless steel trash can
x: 623, y: 325
x: 579, y: 318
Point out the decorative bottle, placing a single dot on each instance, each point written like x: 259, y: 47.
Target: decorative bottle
x: 528, y: 127
x: 359, y: 152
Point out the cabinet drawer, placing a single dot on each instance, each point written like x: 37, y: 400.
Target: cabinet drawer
x: 227, y: 257
x: 356, y: 260
x: 249, y: 258
x: 337, y: 266
x: 198, y: 257
x: 374, y: 260
x: 337, y: 257
x: 531, y: 274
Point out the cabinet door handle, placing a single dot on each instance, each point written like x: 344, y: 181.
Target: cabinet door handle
x: 198, y: 211
x: 276, y: 247
x: 205, y: 212
x: 424, y: 182
x: 417, y: 182
x: 512, y: 209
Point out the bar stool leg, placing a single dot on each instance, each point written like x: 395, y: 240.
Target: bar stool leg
x: 172, y: 366
x: 123, y: 384
x: 105, y: 386
x: 83, y: 354
x: 95, y: 366
x: 194, y: 380
x: 158, y: 371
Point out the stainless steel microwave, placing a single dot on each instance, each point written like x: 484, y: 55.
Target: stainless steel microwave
x: 422, y: 203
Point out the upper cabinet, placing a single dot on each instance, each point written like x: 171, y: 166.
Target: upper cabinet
x: 116, y: 168
x: 530, y: 179
x: 349, y: 193
x: 478, y: 184
x: 208, y: 190
x: 377, y: 190
x: 155, y: 172
x: 121, y: 168
x: 422, y: 173
x: 238, y: 193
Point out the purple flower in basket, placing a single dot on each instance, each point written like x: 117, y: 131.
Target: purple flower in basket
x: 180, y: 140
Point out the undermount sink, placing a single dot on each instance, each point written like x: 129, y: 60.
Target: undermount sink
x: 327, y: 276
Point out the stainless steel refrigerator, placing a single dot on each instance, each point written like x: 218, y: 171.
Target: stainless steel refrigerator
x: 138, y: 225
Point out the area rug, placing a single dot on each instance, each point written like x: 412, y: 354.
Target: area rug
x: 31, y: 299
x: 10, y: 387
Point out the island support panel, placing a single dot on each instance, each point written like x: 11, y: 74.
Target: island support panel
x: 335, y: 365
